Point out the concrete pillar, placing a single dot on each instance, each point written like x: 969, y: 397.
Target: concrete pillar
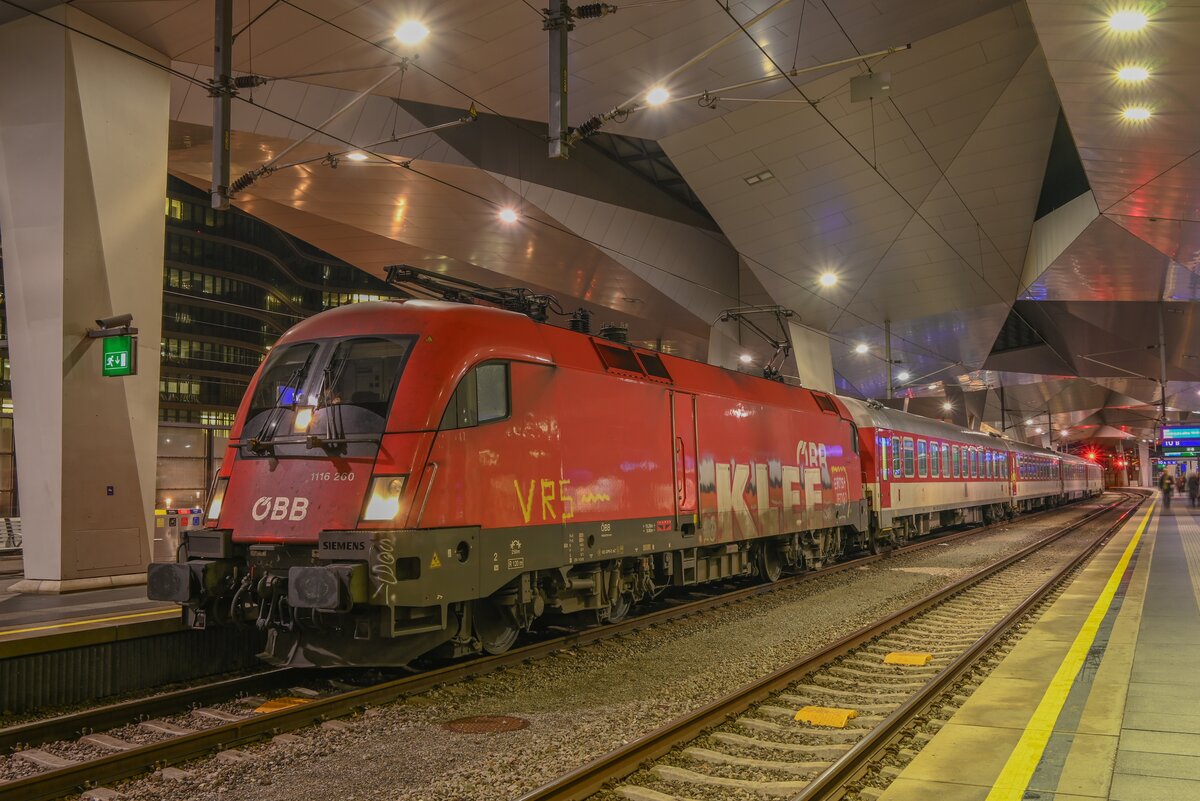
x: 83, y: 152
x: 1144, y: 466
x: 813, y: 359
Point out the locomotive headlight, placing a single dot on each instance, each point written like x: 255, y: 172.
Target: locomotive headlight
x: 383, y: 503
x: 218, y: 498
x: 304, y: 416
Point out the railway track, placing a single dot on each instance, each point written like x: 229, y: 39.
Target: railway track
x: 207, y: 719
x: 749, y: 745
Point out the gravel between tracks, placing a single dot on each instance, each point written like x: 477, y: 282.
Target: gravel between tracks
x: 584, y: 702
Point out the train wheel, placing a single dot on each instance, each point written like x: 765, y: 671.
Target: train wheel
x: 770, y: 563
x: 493, y: 626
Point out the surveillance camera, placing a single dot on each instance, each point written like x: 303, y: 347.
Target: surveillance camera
x: 116, y: 321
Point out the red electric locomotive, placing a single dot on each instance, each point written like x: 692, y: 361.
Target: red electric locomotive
x: 404, y: 477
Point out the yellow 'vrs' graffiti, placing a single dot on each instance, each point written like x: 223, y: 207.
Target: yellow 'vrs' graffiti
x: 554, y: 495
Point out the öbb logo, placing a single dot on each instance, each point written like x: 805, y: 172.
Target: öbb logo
x: 280, y: 508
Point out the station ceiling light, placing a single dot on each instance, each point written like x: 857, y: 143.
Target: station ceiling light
x: 903, y: 375
x: 1127, y: 21
x: 1029, y: 422
x: 861, y: 347
x: 828, y: 279
x: 1135, y: 114
x: 357, y: 156
x: 507, y: 215
x: 745, y: 358
x: 947, y: 405
x: 1037, y: 430
x: 411, y: 32
x: 657, y: 96
x: 1132, y: 74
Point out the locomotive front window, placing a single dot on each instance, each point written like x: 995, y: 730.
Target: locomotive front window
x: 283, y: 378
x: 362, y: 373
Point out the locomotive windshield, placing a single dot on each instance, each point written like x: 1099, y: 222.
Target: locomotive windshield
x: 320, y: 394
x: 283, y: 378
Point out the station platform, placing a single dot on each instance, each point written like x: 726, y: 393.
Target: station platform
x: 1101, y: 699
x: 38, y: 623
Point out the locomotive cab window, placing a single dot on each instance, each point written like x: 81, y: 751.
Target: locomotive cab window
x: 482, y: 397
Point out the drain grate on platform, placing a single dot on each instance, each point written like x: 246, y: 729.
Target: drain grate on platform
x: 486, y: 724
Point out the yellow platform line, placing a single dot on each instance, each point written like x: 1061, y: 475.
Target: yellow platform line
x: 90, y: 620
x: 1023, y: 761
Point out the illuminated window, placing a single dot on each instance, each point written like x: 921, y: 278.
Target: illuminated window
x: 909, y: 461
x: 922, y: 459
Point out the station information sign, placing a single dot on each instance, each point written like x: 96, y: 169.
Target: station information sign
x: 119, y: 357
x: 1181, y: 440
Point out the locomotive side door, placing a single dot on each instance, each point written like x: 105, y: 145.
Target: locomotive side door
x: 684, y: 461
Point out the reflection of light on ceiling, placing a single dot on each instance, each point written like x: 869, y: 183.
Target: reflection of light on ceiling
x: 1132, y: 74
x: 529, y: 250
x: 1127, y: 21
x: 411, y: 32
x: 357, y: 156
x: 401, y: 211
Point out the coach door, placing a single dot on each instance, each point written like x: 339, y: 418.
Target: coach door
x: 683, y: 425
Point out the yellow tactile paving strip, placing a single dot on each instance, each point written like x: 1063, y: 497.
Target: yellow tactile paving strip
x: 965, y: 759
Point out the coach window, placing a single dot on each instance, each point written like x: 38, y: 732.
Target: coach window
x: 897, y: 458
x: 922, y: 459
x: 908, y: 458
x: 934, y: 450
x: 945, y: 460
x: 973, y: 462
x: 883, y: 458
x: 482, y: 397
x: 954, y: 453
x: 989, y: 460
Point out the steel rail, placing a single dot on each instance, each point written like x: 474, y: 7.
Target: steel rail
x: 619, y: 763
x: 56, y: 783
x: 831, y: 782
x: 65, y: 727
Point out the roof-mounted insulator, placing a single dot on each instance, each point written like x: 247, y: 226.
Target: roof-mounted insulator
x: 617, y: 332
x: 581, y: 321
x: 594, y: 10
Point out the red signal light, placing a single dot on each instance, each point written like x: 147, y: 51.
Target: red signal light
x: 1090, y: 455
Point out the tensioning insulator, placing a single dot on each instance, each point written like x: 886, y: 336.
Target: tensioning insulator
x: 594, y: 10
x: 248, y: 81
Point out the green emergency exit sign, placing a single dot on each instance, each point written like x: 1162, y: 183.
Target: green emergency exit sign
x: 119, y: 356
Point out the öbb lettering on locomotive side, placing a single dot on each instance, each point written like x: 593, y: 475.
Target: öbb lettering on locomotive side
x: 416, y: 477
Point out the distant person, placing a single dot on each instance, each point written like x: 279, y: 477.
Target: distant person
x: 1167, y: 485
x: 1193, y: 487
